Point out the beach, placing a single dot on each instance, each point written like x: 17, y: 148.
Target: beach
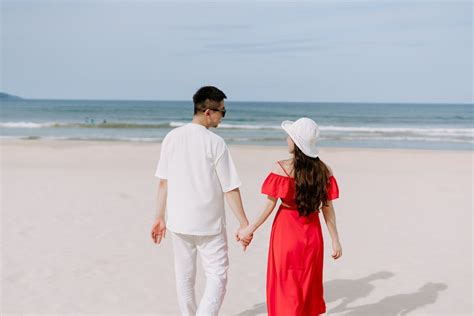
x: 77, y: 215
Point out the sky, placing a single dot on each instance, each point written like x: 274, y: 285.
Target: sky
x: 318, y: 51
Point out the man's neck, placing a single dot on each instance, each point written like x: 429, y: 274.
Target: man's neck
x: 200, y: 120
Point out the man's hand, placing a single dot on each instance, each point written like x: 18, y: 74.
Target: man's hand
x: 158, y: 230
x: 244, y: 235
x: 246, y: 241
x: 244, y: 232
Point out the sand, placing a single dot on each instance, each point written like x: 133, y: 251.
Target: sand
x: 76, y: 220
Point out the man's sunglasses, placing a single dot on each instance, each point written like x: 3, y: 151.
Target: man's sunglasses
x: 218, y: 110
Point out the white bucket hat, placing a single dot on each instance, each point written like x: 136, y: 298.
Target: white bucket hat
x: 305, y: 133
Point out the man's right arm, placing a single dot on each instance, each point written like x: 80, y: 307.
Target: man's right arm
x: 235, y: 202
x: 230, y: 183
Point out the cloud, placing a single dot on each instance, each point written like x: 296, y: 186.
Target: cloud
x: 212, y: 27
x: 268, y: 46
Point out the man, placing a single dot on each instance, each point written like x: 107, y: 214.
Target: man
x: 196, y: 172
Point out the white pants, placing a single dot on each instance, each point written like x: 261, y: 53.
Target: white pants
x: 213, y: 252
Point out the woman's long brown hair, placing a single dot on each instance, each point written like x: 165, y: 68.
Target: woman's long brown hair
x: 311, y: 180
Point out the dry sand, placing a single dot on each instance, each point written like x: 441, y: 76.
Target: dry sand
x: 76, y: 219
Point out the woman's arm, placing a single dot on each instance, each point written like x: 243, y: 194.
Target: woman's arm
x: 330, y: 219
x: 269, y: 207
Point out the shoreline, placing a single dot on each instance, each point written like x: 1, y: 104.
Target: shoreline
x: 70, y: 142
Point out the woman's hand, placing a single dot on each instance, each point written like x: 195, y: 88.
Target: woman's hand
x: 246, y: 239
x: 245, y: 233
x: 336, y: 250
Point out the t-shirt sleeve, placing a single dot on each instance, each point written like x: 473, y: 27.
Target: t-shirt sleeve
x: 162, y: 169
x: 226, y: 172
x: 333, y: 189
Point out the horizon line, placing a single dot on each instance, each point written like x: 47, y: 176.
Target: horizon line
x: 241, y: 101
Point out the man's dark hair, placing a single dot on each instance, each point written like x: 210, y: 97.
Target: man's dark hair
x: 210, y: 93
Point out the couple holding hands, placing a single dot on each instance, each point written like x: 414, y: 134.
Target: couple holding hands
x: 197, y: 173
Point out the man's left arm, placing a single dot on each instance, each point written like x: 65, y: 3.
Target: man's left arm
x: 158, y: 231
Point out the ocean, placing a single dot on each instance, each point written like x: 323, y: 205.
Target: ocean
x: 368, y: 125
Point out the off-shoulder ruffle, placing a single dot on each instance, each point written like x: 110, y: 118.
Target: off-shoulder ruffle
x: 280, y: 186
x: 277, y: 186
x: 333, y: 189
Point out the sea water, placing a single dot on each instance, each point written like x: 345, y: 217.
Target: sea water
x: 373, y: 125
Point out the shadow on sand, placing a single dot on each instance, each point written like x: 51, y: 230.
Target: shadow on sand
x: 400, y: 304
x: 254, y: 310
x: 350, y: 290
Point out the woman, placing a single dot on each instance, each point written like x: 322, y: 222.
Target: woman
x: 295, y: 258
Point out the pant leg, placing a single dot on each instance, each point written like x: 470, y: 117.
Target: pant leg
x: 213, y: 251
x: 185, y: 270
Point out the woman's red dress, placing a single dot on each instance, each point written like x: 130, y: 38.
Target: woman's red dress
x: 295, y: 256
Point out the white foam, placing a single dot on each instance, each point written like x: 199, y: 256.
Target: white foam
x: 428, y: 131
x: 233, y: 126
x: 177, y: 124
x: 25, y: 125
x: 434, y: 131
x: 400, y: 138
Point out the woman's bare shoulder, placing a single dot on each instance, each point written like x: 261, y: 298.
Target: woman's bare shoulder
x: 278, y: 166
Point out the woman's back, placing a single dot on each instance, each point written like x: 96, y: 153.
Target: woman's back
x: 281, y: 183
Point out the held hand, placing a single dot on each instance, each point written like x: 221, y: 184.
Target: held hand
x: 336, y: 250
x: 158, y: 230
x: 244, y: 240
x: 244, y: 232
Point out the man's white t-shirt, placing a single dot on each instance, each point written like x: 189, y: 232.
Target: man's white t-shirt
x: 199, y: 169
